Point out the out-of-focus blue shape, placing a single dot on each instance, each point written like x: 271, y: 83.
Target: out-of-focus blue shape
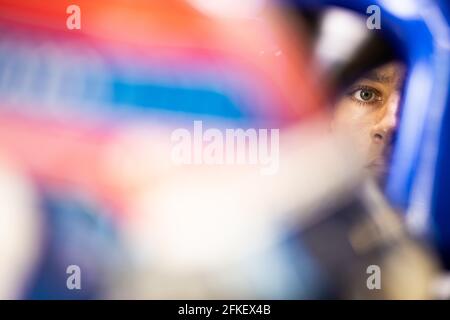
x: 196, y: 101
x: 77, y: 233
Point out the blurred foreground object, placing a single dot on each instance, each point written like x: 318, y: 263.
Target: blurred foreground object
x: 20, y: 232
x: 88, y: 116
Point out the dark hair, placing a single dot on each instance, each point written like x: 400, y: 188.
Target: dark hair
x: 376, y: 50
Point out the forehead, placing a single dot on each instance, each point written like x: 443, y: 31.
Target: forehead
x: 390, y: 74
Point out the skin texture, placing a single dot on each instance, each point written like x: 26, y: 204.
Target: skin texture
x: 369, y: 111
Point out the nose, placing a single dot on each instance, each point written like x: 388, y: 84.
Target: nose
x: 387, y: 122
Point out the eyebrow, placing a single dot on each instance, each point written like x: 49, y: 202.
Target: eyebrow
x: 379, y: 77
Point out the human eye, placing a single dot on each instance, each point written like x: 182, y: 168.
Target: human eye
x: 365, y: 95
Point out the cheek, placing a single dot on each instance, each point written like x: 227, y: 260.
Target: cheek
x: 356, y: 120
x: 353, y: 117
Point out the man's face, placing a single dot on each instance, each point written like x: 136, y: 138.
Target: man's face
x: 369, y: 110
